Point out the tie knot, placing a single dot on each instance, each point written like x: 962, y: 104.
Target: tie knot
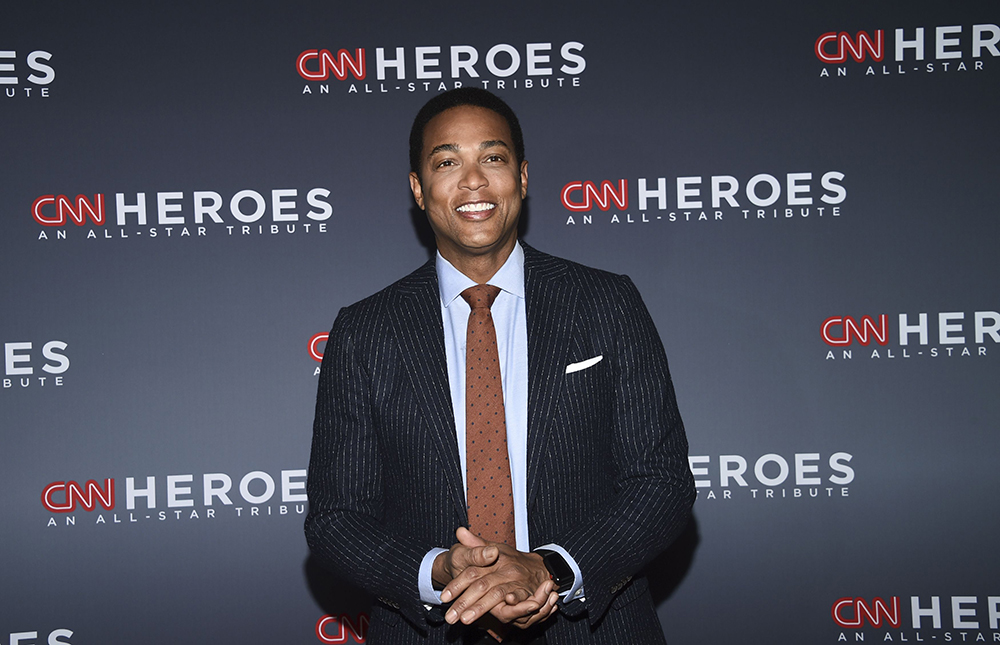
x: 481, y: 295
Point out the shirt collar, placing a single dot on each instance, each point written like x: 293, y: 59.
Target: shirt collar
x: 452, y: 282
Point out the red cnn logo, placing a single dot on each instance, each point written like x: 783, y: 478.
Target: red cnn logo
x: 874, y: 613
x: 339, y: 65
x: 64, y: 209
x: 314, y: 342
x: 72, y: 493
x: 844, y: 330
x: 344, y: 627
x: 592, y: 195
x: 843, y: 45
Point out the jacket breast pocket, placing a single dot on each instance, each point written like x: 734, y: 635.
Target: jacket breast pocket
x: 588, y: 377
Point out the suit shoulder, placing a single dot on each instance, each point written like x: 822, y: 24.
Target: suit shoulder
x: 587, y: 274
x: 371, y: 312
x: 588, y: 279
x: 421, y: 279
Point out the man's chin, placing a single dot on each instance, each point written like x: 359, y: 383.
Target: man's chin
x: 474, y: 248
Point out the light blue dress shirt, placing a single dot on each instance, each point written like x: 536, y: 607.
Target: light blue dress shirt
x: 511, y: 324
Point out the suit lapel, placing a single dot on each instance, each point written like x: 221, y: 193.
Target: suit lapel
x: 550, y: 302
x: 416, y: 319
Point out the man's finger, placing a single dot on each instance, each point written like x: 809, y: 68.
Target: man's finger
x: 524, y: 614
x: 548, y: 606
x: 481, y: 553
x: 541, y: 595
x: 468, y: 588
x: 479, y: 597
x: 513, y: 611
x: 493, y: 600
x: 542, y: 614
x: 468, y: 538
x: 519, y: 595
x: 470, y: 574
x: 545, y: 592
x: 510, y: 613
x: 480, y: 556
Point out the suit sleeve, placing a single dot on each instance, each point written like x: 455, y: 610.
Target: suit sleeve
x: 653, y: 485
x: 346, y: 529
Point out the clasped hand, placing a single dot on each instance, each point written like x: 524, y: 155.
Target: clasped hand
x: 485, y: 577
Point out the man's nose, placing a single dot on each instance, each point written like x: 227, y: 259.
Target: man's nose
x: 473, y: 177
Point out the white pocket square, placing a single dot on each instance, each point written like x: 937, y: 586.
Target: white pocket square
x: 582, y: 365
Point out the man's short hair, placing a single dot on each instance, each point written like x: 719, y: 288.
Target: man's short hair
x: 473, y: 96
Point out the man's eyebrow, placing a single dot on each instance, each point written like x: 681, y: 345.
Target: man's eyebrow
x: 492, y: 143
x: 444, y: 147
x: 453, y: 147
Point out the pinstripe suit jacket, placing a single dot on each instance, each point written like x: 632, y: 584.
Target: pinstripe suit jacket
x: 608, y: 477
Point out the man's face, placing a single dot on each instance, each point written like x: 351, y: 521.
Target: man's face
x: 470, y: 183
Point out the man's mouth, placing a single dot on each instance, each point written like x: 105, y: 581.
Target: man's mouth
x: 476, y: 207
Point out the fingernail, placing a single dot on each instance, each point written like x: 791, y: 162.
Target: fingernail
x: 445, y: 595
x: 468, y: 616
x: 451, y: 616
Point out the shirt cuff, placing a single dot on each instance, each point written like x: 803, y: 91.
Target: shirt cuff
x: 576, y: 591
x: 427, y: 593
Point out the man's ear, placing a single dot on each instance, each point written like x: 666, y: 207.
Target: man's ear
x: 418, y: 191
x: 524, y: 179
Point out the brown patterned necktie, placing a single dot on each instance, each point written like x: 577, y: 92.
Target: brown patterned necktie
x: 490, y: 497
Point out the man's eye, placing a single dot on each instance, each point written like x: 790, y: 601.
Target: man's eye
x: 446, y: 162
x: 495, y: 158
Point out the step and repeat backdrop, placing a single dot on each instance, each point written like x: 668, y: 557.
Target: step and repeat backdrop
x: 806, y: 196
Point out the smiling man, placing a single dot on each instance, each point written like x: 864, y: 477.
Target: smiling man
x: 471, y: 187
x: 497, y: 450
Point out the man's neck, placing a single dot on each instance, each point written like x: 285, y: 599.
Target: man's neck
x: 480, y: 268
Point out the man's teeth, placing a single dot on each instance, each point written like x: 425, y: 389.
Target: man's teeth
x: 478, y: 207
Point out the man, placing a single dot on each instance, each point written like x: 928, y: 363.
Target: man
x: 581, y: 479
